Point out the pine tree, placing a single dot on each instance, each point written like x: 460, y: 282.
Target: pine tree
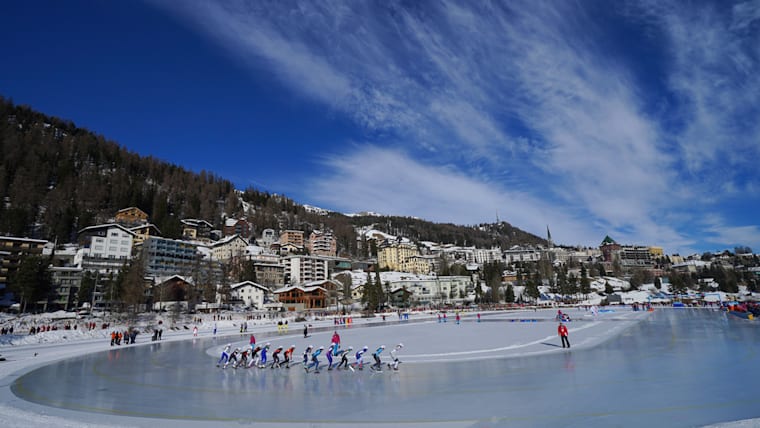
x: 133, y: 286
x: 509, y: 295
x: 31, y: 282
x: 585, y: 286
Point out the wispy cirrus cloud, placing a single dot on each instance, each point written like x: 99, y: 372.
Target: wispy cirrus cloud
x: 526, y: 105
x: 444, y: 193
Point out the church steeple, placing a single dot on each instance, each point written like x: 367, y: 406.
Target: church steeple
x: 549, y: 237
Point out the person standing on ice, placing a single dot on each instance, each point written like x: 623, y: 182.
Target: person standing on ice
x: 335, y: 338
x: 305, y: 331
x: 394, y: 356
x: 315, y: 360
x: 562, y: 332
x: 225, y: 356
x: 195, y: 331
x: 376, y: 356
x: 252, y: 342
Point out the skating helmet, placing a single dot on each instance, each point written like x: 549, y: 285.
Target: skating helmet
x: 365, y: 347
x: 237, y: 349
x: 400, y: 345
x: 292, y: 346
x: 229, y: 344
x: 350, y: 348
x: 279, y: 347
x: 268, y: 344
x: 321, y: 347
x: 382, y: 346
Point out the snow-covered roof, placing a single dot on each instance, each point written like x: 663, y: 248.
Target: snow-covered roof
x: 248, y: 284
x: 14, y: 238
x: 299, y: 287
x: 359, y: 277
x: 227, y: 240
x: 144, y: 226
x: 164, y: 279
x: 104, y: 226
x: 194, y: 222
x: 232, y: 221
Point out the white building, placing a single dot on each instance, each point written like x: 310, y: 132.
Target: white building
x: 443, y: 289
x: 268, y: 237
x: 104, y: 248
x: 483, y: 256
x: 521, y: 254
x: 251, y: 294
x: 228, y: 248
x: 301, y: 268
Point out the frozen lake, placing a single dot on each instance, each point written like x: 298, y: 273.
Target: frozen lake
x: 675, y: 367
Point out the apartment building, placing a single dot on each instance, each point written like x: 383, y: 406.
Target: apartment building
x: 484, y: 256
x: 104, y: 248
x: 435, y: 290
x: 196, y: 229
x: 517, y: 254
x: 301, y: 268
x: 294, y: 237
x: 393, y: 254
x: 66, y: 282
x: 322, y: 243
x: 228, y: 248
x: 13, y: 250
x: 165, y: 257
x: 238, y: 226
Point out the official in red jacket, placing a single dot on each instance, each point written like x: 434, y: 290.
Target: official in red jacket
x: 562, y: 331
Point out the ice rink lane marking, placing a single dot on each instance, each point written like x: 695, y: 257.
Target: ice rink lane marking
x: 491, y: 350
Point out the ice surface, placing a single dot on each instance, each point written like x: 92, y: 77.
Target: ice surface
x: 672, y: 367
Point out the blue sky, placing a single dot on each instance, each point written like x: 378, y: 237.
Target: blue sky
x: 639, y: 120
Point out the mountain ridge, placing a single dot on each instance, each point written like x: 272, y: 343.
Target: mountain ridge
x: 57, y: 178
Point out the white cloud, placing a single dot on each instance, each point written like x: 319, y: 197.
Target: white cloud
x: 383, y: 180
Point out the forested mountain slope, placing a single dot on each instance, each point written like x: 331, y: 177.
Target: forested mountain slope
x: 57, y: 178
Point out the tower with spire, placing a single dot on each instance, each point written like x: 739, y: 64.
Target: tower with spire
x: 549, y: 237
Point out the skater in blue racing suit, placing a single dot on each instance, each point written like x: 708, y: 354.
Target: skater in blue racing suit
x: 376, y: 357
x: 315, y: 360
